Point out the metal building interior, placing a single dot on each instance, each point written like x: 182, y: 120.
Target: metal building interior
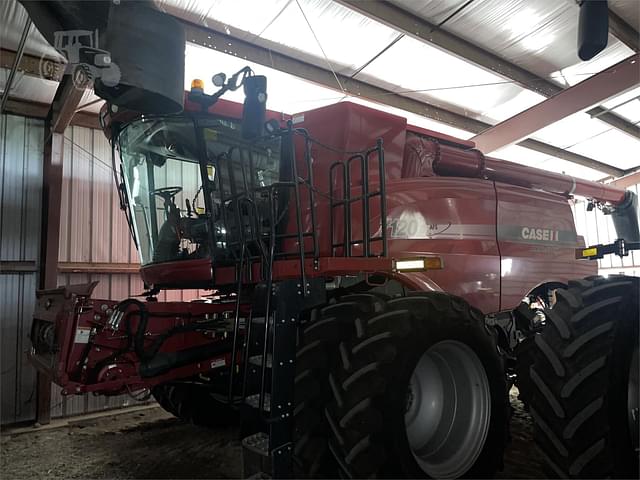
x: 503, y: 74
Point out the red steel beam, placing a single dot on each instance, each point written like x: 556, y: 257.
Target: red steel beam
x: 606, y: 84
x: 66, y: 102
x: 628, y: 181
x: 63, y: 107
x: 49, y: 242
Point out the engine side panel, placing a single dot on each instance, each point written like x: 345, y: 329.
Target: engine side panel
x: 453, y: 218
x: 537, y: 239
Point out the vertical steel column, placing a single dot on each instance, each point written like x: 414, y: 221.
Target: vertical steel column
x: 49, y: 242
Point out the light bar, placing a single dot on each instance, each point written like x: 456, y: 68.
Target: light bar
x: 418, y: 264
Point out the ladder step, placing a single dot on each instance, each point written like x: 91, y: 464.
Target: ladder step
x: 257, y: 360
x: 256, y: 461
x: 254, y: 401
x: 257, y: 443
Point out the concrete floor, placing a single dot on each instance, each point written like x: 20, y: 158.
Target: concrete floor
x: 150, y: 443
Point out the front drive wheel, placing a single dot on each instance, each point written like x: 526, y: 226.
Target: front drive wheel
x: 316, y: 356
x: 421, y: 391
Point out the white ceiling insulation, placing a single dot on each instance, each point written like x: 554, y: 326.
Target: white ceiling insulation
x: 39, y: 90
x: 339, y: 36
x: 626, y: 105
x: 524, y: 156
x: 628, y: 10
x: 571, y: 130
x: 287, y: 93
x: 427, y: 73
x: 538, y: 35
x: 345, y: 39
x: 612, y: 147
x: 14, y: 17
x: 29, y: 88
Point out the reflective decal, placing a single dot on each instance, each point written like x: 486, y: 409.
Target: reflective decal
x: 411, y: 225
x: 219, y: 362
x: 82, y: 335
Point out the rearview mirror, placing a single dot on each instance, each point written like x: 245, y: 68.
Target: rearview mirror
x: 255, y: 106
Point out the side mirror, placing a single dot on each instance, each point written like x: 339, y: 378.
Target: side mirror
x: 255, y: 106
x: 593, y: 28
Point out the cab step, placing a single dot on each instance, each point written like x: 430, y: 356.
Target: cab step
x: 256, y: 460
x: 257, y: 360
x: 254, y: 401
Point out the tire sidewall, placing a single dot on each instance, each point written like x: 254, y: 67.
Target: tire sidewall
x: 626, y: 339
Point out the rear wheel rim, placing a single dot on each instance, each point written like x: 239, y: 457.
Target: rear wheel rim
x: 448, y: 409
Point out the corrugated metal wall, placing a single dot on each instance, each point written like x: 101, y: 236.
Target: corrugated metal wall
x: 93, y: 235
x: 598, y: 228
x: 94, y: 229
x: 21, y: 148
x: 94, y: 232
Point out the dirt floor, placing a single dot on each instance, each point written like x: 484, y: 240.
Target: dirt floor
x: 151, y: 444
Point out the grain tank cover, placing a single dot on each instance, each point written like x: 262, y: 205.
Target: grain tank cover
x: 350, y: 127
x: 148, y: 47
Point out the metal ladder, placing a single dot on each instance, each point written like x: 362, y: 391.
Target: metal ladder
x: 270, y: 337
x: 269, y: 341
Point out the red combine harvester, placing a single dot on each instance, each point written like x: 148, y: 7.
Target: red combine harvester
x: 376, y: 288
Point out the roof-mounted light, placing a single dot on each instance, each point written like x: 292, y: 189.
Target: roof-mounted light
x: 197, y: 85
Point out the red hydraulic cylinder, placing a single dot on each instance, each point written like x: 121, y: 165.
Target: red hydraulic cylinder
x: 454, y: 162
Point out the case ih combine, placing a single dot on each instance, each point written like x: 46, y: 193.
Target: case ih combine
x: 375, y: 289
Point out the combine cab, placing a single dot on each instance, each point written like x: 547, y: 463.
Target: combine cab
x: 375, y: 289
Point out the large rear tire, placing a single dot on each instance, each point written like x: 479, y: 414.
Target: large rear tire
x: 585, y: 380
x: 317, y: 355
x: 420, y: 391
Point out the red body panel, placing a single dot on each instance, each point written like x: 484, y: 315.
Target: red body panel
x: 454, y: 219
x: 475, y: 224
x: 537, y: 240
x: 79, y: 322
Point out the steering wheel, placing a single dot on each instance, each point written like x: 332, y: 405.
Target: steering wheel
x: 167, y: 193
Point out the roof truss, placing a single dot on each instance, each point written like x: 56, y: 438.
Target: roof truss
x: 422, y: 30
